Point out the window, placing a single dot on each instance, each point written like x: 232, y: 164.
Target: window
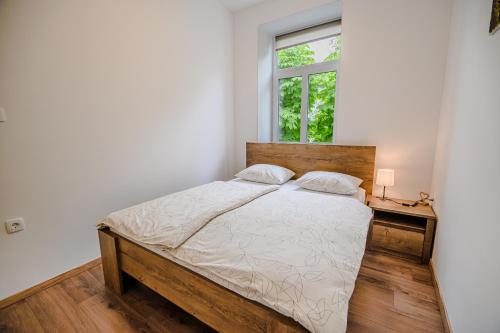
x: 305, y: 84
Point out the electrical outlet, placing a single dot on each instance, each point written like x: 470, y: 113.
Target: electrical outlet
x: 14, y: 225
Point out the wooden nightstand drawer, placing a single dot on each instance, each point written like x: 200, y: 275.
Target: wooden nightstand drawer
x: 406, y: 231
x: 397, y: 240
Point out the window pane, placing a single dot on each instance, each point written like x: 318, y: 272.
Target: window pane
x: 321, y: 107
x: 309, y: 53
x: 290, y: 90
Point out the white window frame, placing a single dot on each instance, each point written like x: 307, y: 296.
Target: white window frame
x: 304, y: 72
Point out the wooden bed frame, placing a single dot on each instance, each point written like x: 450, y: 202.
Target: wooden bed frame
x: 211, y: 303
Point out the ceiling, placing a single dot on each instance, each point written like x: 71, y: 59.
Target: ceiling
x: 235, y: 5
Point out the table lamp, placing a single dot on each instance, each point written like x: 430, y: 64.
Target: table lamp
x: 385, y: 177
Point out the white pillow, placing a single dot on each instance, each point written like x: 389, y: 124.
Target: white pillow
x: 266, y: 173
x: 332, y: 182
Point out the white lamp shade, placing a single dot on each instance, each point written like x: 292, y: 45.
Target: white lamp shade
x: 385, y: 177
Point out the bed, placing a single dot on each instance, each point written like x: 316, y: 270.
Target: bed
x: 221, y: 274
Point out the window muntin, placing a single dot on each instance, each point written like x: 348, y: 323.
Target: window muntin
x: 305, y: 77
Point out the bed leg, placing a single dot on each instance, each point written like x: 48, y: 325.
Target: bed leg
x: 110, y: 263
x: 369, y: 236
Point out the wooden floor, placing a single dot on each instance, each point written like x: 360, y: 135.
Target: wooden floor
x: 391, y: 295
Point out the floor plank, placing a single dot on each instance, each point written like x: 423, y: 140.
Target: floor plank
x: 82, y: 287
x: 19, y: 318
x: 391, y: 296
x: 394, y: 295
x: 57, y: 312
x: 110, y: 316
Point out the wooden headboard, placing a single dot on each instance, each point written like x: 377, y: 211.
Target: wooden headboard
x: 358, y: 161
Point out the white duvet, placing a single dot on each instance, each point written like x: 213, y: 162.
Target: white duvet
x: 294, y: 251
x: 170, y: 220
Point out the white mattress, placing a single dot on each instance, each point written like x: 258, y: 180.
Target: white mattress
x: 292, y: 186
x: 293, y: 250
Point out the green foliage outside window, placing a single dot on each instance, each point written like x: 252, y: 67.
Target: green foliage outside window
x: 289, y: 108
x: 322, y: 88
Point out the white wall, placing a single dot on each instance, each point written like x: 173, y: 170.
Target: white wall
x: 466, y: 177
x: 390, y: 84
x: 391, y: 77
x: 109, y: 103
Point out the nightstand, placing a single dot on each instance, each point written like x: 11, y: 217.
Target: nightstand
x: 403, y: 231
